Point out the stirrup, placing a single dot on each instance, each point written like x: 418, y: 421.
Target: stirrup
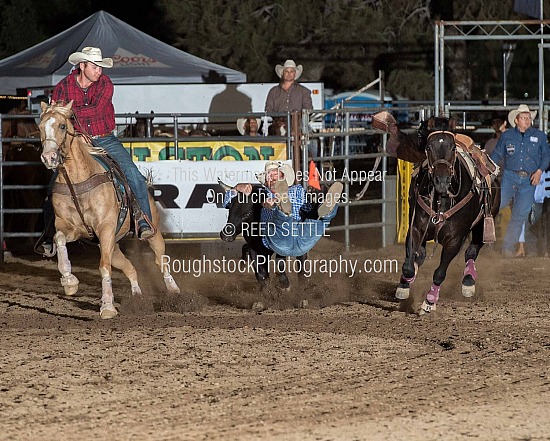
x: 44, y: 249
x: 153, y: 230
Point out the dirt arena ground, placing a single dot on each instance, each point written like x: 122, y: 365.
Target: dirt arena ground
x: 212, y: 364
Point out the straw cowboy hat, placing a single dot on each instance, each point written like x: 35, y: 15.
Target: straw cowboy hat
x: 242, y: 121
x: 523, y: 108
x: 92, y: 54
x: 285, y: 168
x: 289, y: 63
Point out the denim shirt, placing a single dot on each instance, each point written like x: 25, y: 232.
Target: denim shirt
x: 522, y: 152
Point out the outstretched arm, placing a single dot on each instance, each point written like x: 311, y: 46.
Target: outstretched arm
x: 400, y: 145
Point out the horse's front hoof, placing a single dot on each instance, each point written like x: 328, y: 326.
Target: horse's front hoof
x: 107, y: 312
x: 426, y: 307
x: 468, y: 291
x: 171, y: 285
x: 468, y: 286
x: 69, y: 284
x: 263, y: 284
x: 402, y: 293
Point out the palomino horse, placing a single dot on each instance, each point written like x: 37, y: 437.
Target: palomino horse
x: 445, y: 205
x: 89, y: 206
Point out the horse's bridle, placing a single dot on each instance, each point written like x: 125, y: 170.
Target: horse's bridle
x: 61, y: 165
x: 432, y: 165
x: 62, y: 153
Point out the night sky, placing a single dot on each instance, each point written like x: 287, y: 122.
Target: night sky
x: 141, y: 14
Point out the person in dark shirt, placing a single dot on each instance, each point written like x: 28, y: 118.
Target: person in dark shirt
x: 288, y: 95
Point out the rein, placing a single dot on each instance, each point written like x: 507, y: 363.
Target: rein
x: 61, y: 168
x: 441, y: 216
x: 438, y: 218
x: 63, y: 171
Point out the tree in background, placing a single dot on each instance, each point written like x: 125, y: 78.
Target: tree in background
x: 340, y: 42
x: 343, y: 43
x: 18, y: 26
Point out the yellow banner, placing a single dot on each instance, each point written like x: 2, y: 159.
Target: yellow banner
x: 207, y: 150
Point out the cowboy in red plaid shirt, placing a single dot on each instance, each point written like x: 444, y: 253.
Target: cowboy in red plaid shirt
x: 91, y: 93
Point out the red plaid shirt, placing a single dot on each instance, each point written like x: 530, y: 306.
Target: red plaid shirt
x: 94, y: 110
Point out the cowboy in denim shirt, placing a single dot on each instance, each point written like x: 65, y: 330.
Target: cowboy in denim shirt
x: 525, y: 155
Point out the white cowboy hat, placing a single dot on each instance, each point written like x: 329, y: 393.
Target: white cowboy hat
x: 241, y: 122
x: 285, y: 168
x: 523, y: 108
x: 289, y: 63
x: 92, y: 54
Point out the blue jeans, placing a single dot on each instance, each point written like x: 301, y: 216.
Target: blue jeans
x: 289, y: 237
x: 520, y: 190
x: 136, y: 180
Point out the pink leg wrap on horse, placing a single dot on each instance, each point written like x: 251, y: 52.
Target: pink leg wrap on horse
x: 408, y: 279
x: 470, y: 269
x: 433, y: 295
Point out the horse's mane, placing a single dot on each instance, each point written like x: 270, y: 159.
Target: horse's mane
x: 92, y: 149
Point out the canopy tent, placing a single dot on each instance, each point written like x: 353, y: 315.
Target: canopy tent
x: 138, y: 58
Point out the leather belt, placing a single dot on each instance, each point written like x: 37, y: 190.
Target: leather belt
x: 522, y: 173
x: 102, y: 136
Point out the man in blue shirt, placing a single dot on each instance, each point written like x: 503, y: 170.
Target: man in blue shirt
x: 525, y: 155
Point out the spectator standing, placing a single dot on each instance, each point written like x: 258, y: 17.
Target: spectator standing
x: 524, y: 153
x: 288, y: 95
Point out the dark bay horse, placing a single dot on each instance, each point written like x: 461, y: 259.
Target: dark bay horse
x: 446, y: 204
x: 86, y: 203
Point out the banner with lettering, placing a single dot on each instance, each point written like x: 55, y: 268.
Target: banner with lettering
x: 189, y: 197
x: 208, y: 150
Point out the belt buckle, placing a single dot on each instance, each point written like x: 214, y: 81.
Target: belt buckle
x: 523, y: 173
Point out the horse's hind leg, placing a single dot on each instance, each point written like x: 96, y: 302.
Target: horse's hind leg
x: 121, y: 262
x: 159, y: 247
x: 68, y: 280
x: 470, y: 256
